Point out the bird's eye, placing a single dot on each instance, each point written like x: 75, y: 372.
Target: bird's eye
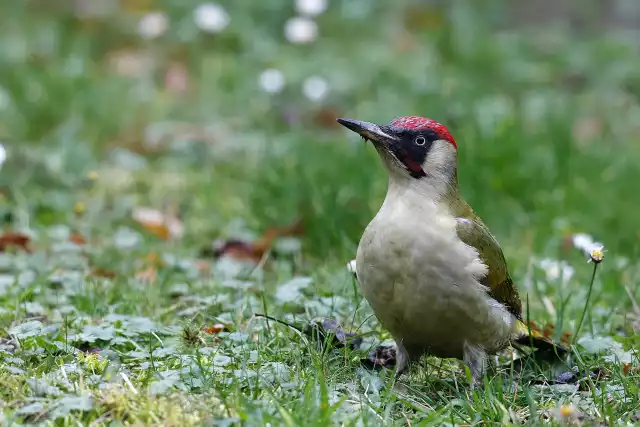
x: 420, y: 140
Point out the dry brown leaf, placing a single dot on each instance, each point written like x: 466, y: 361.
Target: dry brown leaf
x: 77, y: 238
x: 148, y: 275
x: 129, y: 63
x: 176, y: 78
x: 548, y: 331
x: 263, y: 244
x: 155, y: 260
x: 203, y: 265
x: 14, y: 239
x: 164, y: 225
x: 326, y: 117
x: 255, y: 251
x: 101, y: 272
x: 214, y: 329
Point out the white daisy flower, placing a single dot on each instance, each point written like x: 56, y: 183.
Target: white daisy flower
x: 153, y: 25
x: 300, y: 30
x: 592, y: 249
x: 211, y: 17
x: 311, y: 7
x: 315, y: 88
x: 272, y: 80
x: 351, y: 266
x: 3, y: 155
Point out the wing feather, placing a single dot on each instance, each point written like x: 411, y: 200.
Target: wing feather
x: 498, y: 280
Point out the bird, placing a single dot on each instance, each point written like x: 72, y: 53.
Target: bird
x: 432, y: 272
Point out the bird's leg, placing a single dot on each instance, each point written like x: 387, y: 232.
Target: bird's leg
x: 402, y: 358
x: 474, y: 357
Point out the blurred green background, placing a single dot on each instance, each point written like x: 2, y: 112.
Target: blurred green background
x: 236, y: 103
x: 221, y: 116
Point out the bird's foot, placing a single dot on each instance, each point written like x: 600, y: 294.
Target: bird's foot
x: 402, y: 359
x: 474, y: 358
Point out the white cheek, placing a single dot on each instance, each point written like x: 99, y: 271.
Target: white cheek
x: 441, y: 155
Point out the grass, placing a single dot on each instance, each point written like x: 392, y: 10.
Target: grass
x: 123, y: 328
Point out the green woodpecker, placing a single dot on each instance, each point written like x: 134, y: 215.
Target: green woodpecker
x: 429, y: 267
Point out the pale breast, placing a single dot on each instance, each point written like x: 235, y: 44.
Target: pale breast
x: 422, y: 282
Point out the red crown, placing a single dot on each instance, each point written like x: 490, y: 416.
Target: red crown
x: 423, y: 123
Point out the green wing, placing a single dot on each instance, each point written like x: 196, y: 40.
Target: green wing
x: 501, y: 287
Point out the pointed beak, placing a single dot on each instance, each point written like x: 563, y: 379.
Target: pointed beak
x: 368, y: 131
x: 384, y: 143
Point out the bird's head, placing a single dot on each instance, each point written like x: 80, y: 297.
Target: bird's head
x: 412, y: 147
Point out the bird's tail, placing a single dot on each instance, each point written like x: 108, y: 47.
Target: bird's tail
x: 530, y: 335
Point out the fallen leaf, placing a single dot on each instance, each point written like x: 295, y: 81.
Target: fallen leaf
x: 164, y: 225
x: 326, y: 117
x: 148, y: 275
x: 203, y: 265
x: 77, y: 238
x: 253, y: 251
x: 176, y: 78
x: 101, y: 272
x: 214, y: 329
x: 548, y: 331
x: 154, y: 259
x: 238, y: 249
x: 14, y: 239
x: 128, y: 63
x: 380, y: 357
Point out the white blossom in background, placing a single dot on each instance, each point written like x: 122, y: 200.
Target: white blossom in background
x: 311, y: 7
x: 211, y: 17
x: 592, y: 249
x: 315, y: 88
x: 299, y: 30
x: 582, y: 241
x: 3, y: 155
x: 153, y: 25
x: 351, y: 266
x: 555, y: 270
x: 272, y: 80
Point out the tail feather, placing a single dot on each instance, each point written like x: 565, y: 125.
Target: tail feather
x: 531, y: 336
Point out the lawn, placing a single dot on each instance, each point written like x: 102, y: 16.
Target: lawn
x: 173, y: 169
